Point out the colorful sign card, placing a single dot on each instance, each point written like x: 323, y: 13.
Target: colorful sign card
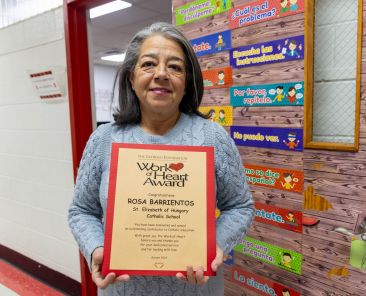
x: 200, y: 9
x: 220, y: 114
x: 281, y: 50
x: 279, y: 94
x: 212, y: 43
x: 283, y: 179
x: 218, y: 78
x: 279, y: 217
x: 260, y: 285
x: 283, y: 258
x: 262, y: 11
x: 268, y: 137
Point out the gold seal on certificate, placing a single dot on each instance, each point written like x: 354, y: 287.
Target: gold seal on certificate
x: 161, y: 210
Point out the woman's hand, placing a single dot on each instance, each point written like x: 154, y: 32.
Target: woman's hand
x: 96, y: 268
x: 199, y: 278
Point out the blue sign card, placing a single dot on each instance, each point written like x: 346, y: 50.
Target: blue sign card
x: 268, y: 137
x: 279, y: 94
x: 281, y: 50
x: 212, y: 43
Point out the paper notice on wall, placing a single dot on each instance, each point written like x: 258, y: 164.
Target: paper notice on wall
x: 45, y: 84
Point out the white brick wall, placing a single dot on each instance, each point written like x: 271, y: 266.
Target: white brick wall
x: 36, y: 178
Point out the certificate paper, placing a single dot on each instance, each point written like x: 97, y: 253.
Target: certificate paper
x: 161, y: 210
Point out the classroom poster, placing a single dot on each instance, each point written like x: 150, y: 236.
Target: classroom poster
x: 223, y: 115
x: 213, y: 43
x: 278, y: 94
x: 279, y: 217
x: 200, y: 9
x: 286, y: 259
x: 268, y: 137
x: 282, y: 50
x: 262, y: 11
x: 217, y: 78
x: 275, y: 178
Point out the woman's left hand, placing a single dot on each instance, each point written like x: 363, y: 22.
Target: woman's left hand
x: 199, y: 278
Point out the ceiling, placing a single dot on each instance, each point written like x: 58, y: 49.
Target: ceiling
x: 112, y: 32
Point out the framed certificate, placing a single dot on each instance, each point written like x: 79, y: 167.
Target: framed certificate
x: 161, y: 210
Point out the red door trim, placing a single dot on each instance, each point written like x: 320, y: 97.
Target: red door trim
x: 75, y: 21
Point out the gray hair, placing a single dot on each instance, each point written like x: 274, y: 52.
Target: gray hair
x: 129, y: 108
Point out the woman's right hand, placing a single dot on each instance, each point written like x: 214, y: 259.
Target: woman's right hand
x: 96, y: 270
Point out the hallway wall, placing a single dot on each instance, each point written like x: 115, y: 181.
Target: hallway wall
x: 36, y: 175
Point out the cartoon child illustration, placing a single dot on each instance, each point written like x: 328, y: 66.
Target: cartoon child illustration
x: 290, y: 217
x: 291, y: 94
x: 292, y: 49
x: 291, y: 140
x: 280, y: 95
x: 286, y: 292
x: 222, y: 119
x: 288, y: 179
x: 221, y: 76
x: 293, y: 5
x: 220, y: 43
x: 284, y: 7
x: 286, y: 260
x: 211, y: 115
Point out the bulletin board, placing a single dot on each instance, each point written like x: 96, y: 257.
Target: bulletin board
x: 304, y: 199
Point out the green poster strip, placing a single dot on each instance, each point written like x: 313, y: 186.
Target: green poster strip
x: 283, y: 258
x: 200, y: 9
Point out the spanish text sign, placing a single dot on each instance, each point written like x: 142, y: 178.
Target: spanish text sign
x: 279, y: 217
x: 212, y: 43
x: 200, y: 9
x: 161, y: 209
x: 282, y: 50
x: 283, y: 179
x: 262, y: 286
x: 283, y: 258
x: 268, y: 137
x: 279, y: 94
x: 263, y: 10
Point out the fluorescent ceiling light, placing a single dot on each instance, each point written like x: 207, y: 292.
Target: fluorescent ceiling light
x: 114, y: 57
x: 108, y: 8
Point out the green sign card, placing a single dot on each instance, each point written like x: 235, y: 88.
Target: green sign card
x: 283, y: 258
x: 200, y: 9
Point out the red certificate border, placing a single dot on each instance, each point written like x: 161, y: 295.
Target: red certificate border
x: 211, y: 224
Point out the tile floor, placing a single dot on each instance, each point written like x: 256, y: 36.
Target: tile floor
x: 14, y: 282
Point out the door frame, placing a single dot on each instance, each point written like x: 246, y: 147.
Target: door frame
x: 79, y: 92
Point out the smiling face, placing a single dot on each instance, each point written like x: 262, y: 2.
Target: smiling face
x: 292, y: 46
x: 159, y: 77
x: 284, y: 3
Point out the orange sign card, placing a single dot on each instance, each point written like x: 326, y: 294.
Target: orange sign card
x: 283, y: 179
x: 218, y: 78
x: 161, y: 210
x: 220, y: 114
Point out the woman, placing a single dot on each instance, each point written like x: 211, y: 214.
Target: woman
x: 161, y: 88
